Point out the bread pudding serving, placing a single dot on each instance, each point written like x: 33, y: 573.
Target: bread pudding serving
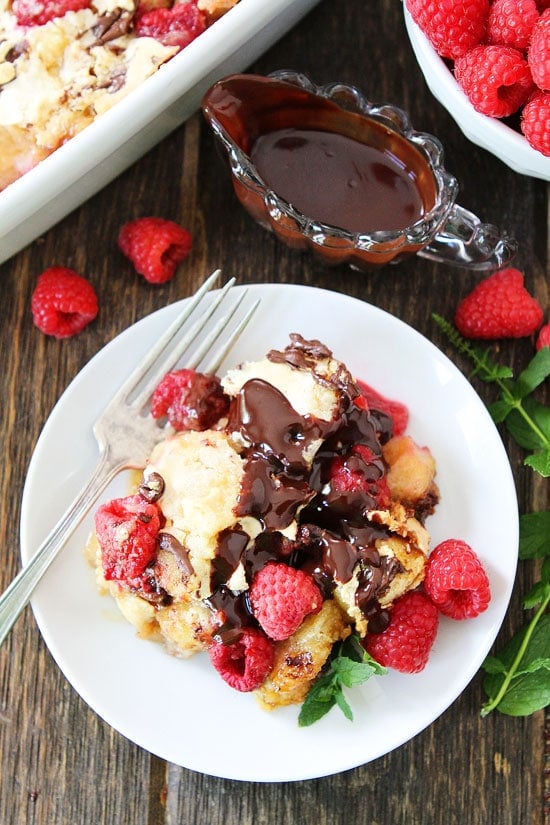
x: 284, y: 514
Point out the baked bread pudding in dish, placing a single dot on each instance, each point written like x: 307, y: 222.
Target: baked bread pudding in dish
x: 284, y: 514
x: 65, y: 62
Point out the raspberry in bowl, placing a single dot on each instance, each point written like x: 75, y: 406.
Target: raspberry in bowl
x: 488, y: 125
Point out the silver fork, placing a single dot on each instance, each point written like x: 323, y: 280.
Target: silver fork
x: 125, y: 432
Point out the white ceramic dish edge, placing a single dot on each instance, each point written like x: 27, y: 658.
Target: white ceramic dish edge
x: 94, y: 157
x: 488, y: 133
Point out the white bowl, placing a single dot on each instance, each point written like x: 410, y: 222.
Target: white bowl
x: 489, y: 133
x: 91, y: 159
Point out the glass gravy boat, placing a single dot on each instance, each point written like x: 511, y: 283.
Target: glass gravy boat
x: 283, y: 108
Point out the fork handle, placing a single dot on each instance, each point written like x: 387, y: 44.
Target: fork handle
x: 19, y: 592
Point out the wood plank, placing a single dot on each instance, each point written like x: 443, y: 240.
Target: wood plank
x: 59, y: 763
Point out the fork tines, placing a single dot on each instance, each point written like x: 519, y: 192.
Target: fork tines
x: 200, y: 336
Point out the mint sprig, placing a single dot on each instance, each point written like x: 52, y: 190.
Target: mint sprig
x: 518, y: 678
x: 526, y: 418
x: 349, y: 665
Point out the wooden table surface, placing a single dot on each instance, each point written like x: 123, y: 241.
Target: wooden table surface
x: 62, y: 765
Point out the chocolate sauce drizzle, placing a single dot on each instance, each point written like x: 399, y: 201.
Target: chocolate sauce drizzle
x: 281, y: 484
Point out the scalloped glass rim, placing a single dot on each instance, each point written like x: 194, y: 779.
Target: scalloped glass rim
x: 488, y: 133
x: 321, y: 234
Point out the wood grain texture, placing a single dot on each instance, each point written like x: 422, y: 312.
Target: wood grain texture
x: 59, y: 763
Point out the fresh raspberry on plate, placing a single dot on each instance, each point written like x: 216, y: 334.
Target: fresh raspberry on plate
x: 499, y: 307
x: 543, y: 338
x: 176, y: 26
x: 127, y: 530
x: 63, y: 302
x: 535, y: 122
x: 538, y: 55
x: 451, y: 27
x: 406, y: 643
x: 456, y: 581
x: 281, y: 597
x: 496, y: 79
x: 190, y: 400
x: 360, y: 472
x: 246, y: 663
x: 511, y: 22
x: 155, y: 246
x: 40, y: 12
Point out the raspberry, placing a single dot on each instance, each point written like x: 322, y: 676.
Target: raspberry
x: 499, y: 307
x: 246, y: 663
x: 452, y: 26
x: 281, y: 597
x: 190, y: 400
x: 360, y: 472
x: 177, y: 26
x: 496, y: 79
x: 543, y: 339
x: 455, y: 580
x: 63, y: 302
x: 127, y: 530
x: 40, y: 12
x: 155, y: 246
x: 538, y: 55
x: 406, y: 643
x: 535, y: 122
x: 397, y: 411
x: 511, y: 22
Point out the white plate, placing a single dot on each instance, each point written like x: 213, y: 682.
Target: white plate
x: 95, y: 156
x: 181, y: 710
x: 488, y: 132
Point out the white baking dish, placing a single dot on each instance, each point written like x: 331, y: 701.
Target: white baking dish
x: 91, y: 159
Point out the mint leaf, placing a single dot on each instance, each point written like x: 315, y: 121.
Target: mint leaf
x: 493, y: 664
x: 535, y: 373
x: 343, y: 704
x: 532, y: 667
x: 352, y: 673
x: 538, y: 593
x: 534, y: 535
x: 540, y: 462
x: 526, y: 680
x: 349, y: 665
x: 315, y: 707
x: 529, y: 424
x: 499, y: 410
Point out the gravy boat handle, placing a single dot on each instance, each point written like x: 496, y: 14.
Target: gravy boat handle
x: 464, y: 240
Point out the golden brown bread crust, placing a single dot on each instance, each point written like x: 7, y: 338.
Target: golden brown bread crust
x: 186, y: 627
x: 215, y: 9
x: 298, y: 660
x: 411, y: 475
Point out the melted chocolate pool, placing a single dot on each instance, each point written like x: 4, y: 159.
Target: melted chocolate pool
x: 337, y: 180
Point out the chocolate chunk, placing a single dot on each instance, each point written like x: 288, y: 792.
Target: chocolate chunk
x: 151, y: 487
x: 111, y: 26
x: 169, y: 542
